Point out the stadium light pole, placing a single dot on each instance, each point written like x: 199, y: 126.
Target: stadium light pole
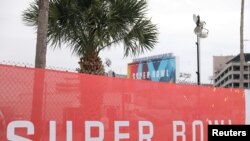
x: 201, y: 32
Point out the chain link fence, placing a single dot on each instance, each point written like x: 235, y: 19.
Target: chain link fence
x: 43, y: 95
x: 29, y: 65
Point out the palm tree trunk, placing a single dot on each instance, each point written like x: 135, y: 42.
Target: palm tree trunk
x: 242, y: 57
x: 40, y: 62
x: 41, y: 43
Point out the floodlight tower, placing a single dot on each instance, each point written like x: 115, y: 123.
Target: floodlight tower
x: 201, y: 32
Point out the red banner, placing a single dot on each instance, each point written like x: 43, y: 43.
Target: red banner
x: 50, y: 105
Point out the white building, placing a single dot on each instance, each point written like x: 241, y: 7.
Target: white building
x: 226, y: 71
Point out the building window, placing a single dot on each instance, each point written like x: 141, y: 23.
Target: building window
x: 245, y: 85
x: 245, y: 76
x: 245, y: 68
x: 236, y: 68
x: 236, y: 85
x: 236, y: 76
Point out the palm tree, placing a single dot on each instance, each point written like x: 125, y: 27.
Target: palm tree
x: 242, y: 57
x: 90, y: 26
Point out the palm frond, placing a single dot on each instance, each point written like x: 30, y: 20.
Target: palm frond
x: 141, y: 38
x: 89, y: 26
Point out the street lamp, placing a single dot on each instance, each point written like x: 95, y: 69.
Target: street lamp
x: 201, y: 32
x: 108, y: 64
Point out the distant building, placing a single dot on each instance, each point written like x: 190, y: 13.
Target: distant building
x: 226, y: 71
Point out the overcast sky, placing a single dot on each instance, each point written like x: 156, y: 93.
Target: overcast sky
x: 174, y: 19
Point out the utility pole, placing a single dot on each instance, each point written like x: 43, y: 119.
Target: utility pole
x: 242, y: 57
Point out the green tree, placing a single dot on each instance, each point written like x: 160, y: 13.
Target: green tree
x: 90, y: 26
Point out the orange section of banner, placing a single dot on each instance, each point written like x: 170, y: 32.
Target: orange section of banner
x: 45, y: 105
